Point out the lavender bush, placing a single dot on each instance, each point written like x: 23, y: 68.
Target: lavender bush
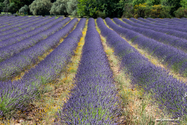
x: 13, y: 49
x: 27, y: 33
x: 174, y: 59
x: 93, y: 100
x: 26, y: 26
x: 164, y: 38
x: 168, y: 91
x: 168, y: 27
x: 163, y: 29
x: 17, y: 95
x: 19, y: 62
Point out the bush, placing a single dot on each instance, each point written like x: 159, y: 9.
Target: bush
x: 181, y: 12
x: 138, y: 2
x: 156, y: 11
x: 159, y: 11
x: 142, y: 10
x: 8, y: 7
x: 24, y: 9
x: 95, y: 8
x: 183, y: 3
x: 2, y: 5
x: 59, y: 8
x: 72, y: 7
x: 128, y: 10
x: 40, y: 7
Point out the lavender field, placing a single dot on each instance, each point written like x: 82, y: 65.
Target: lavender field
x: 79, y: 71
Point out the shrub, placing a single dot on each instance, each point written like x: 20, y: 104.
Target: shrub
x: 142, y: 10
x: 183, y: 3
x: 94, y: 8
x: 159, y: 11
x: 8, y: 7
x: 181, y: 12
x: 59, y: 7
x: 40, y: 7
x: 155, y: 11
x: 72, y: 7
x: 128, y: 10
x: 24, y: 9
x: 2, y: 5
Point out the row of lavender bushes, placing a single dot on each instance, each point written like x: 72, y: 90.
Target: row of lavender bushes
x: 14, y: 31
x: 174, y: 59
x: 161, y: 37
x: 40, y: 34
x: 168, y: 91
x: 16, y: 64
x: 7, y: 34
x: 93, y: 100
x: 16, y: 95
x: 16, y: 22
x: 159, y: 28
x: 15, y: 37
x: 166, y: 21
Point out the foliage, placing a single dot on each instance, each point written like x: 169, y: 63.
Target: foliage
x: 137, y: 2
x: 24, y: 9
x: 156, y: 11
x: 94, y: 8
x: 181, y: 12
x: 183, y: 3
x: 128, y: 10
x: 174, y: 5
x: 8, y: 7
x: 40, y: 7
x: 14, y: 5
x: 59, y: 7
x: 153, y: 2
x: 2, y: 5
x: 72, y: 7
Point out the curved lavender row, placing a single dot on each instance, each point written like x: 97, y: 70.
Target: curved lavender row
x: 163, y: 23
x: 153, y: 27
x: 48, y: 69
x: 12, y: 20
x: 172, y: 57
x: 16, y: 20
x: 20, y: 34
x: 7, y: 21
x: 174, y: 23
x: 168, y: 27
x: 164, y: 88
x: 17, y: 23
x: 13, y: 49
x: 20, y: 93
x: 16, y: 39
x: 164, y: 38
x: 24, y: 26
x: 17, y: 63
x: 93, y: 100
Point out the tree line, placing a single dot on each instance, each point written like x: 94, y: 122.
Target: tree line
x: 98, y: 8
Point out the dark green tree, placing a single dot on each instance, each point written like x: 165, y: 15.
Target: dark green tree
x: 183, y: 3
x: 40, y: 7
x: 24, y: 9
x: 72, y: 7
x: 174, y: 4
x: 91, y: 8
x: 59, y: 8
